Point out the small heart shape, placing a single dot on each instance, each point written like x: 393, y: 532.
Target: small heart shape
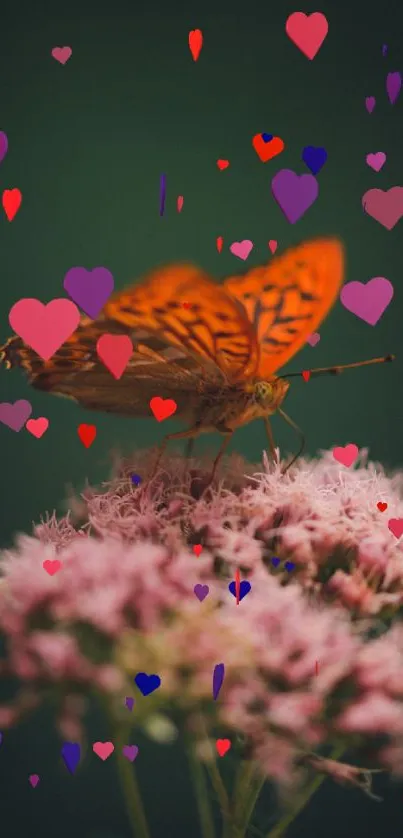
x: 273, y: 245
x: 222, y: 745
x: 244, y: 589
x: 103, y: 750
x: 275, y: 561
x: 306, y: 375
x: 130, y: 752
x: 87, y: 434
x: 201, y: 591
x: 382, y: 506
x: 313, y: 339
x: 163, y: 408
x: 346, y: 455
x: 147, y: 684
x: 222, y: 164
x: 395, y: 525
x: 197, y: 548
x: 51, y: 566
x: 37, y: 427
x: 219, y: 243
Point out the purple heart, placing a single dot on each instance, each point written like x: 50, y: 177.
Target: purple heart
x: 275, y: 561
x: 3, y: 145
x: 393, y: 85
x: 294, y: 193
x: 147, y: 683
x: 370, y: 103
x: 201, y: 591
x: 1, y: 737
x: 130, y: 752
x: 34, y: 780
x: 368, y: 300
x: 129, y: 703
x: 89, y: 289
x: 267, y: 137
x: 244, y: 589
x: 15, y: 415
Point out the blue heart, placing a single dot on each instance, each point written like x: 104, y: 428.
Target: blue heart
x: 147, y: 683
x: 275, y: 561
x: 289, y: 566
x: 314, y: 158
x: 244, y: 589
x: 267, y: 137
x: 136, y: 479
x: 71, y: 752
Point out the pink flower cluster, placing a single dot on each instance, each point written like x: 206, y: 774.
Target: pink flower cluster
x: 301, y: 668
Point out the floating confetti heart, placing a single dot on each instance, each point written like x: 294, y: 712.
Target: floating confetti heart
x: 368, y: 301
x: 376, y: 161
x: 313, y: 339
x: 201, y: 591
x: 307, y: 32
x: 136, y: 479
x: 197, y: 548
x: 294, y: 193
x: 34, y: 780
x: 222, y: 746
x: 15, y: 415
x: 71, y: 753
x: 44, y: 327
x: 306, y: 375
x: 267, y: 146
x: 370, y: 103
x: 130, y: 752
x: 395, y: 525
x: 61, y: 54
x: 195, y: 42
x: 115, y: 352
x: 218, y: 678
x: 393, y: 86
x: 314, y: 158
x: 11, y: 202
x: 147, y: 684
x: 37, y: 427
x: 347, y: 455
x: 275, y: 561
x: 219, y: 243
x: 162, y: 408
x: 87, y: 434
x: 241, y: 249
x: 179, y: 203
x: 52, y: 566
x: 244, y: 589
x: 103, y: 750
x: 89, y: 289
x: 222, y: 164
x: 273, y: 245
x: 129, y: 702
x: 385, y: 207
x: 382, y: 506
x: 289, y: 566
x: 3, y: 145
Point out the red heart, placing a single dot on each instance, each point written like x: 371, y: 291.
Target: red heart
x: 197, y: 548
x: 222, y: 164
x: 11, y: 202
x: 51, y: 566
x: 186, y: 304
x: 395, y: 525
x: 382, y: 506
x: 223, y: 745
x: 87, y: 434
x: 266, y: 151
x: 306, y: 375
x: 163, y: 408
x: 219, y: 243
x: 115, y: 352
x: 195, y: 42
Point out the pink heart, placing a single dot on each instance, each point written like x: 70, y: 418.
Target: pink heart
x: 241, y: 249
x: 34, y: 780
x: 395, y: 525
x: 307, y: 32
x: 385, y: 207
x: 44, y: 327
x: 370, y: 103
x: 61, y: 54
x: 15, y: 415
x: 52, y: 566
x: 368, y: 300
x: 313, y: 339
x: 115, y: 352
x: 37, y: 427
x: 346, y: 455
x: 103, y: 750
x: 273, y: 245
x: 376, y: 160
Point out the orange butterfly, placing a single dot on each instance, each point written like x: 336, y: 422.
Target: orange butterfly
x: 216, y: 356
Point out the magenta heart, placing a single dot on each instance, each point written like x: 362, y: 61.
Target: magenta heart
x: 15, y: 415
x: 89, y: 289
x: 313, y: 339
x: 395, y: 525
x: 201, y: 591
x: 385, y: 207
x: 370, y: 103
x: 3, y: 145
x: 61, y: 54
x: 130, y: 752
x: 241, y: 249
x: 376, y: 160
x: 368, y: 300
x: 34, y: 780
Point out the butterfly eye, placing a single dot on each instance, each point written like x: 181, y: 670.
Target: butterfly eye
x: 263, y: 392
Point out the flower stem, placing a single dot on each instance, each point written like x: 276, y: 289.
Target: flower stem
x: 130, y: 788
x: 203, y: 804
x: 280, y: 828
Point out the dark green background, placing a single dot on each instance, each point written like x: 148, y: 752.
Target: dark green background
x: 87, y: 144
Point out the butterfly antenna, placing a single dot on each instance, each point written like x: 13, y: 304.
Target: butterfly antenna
x: 339, y: 369
x: 300, y: 434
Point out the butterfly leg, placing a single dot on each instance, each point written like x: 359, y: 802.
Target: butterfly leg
x: 224, y: 444
x: 189, y: 434
x: 269, y: 433
x: 300, y: 434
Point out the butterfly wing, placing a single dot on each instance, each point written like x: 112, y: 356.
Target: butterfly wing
x: 156, y: 368
x: 287, y: 300
x: 181, y: 304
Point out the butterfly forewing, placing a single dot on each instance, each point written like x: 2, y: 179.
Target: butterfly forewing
x: 287, y: 300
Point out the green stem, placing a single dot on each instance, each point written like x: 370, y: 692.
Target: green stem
x: 130, y: 787
x: 303, y: 799
x: 203, y: 804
